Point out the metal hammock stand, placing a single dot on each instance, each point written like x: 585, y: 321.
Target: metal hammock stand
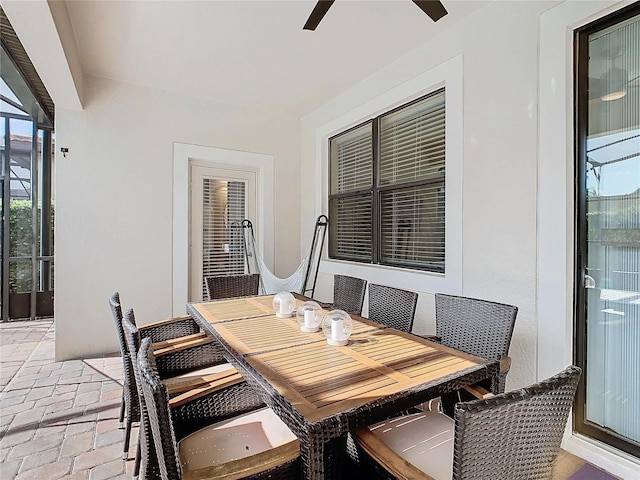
x: 313, y: 261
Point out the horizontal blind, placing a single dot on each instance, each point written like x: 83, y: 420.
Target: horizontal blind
x: 412, y: 227
x: 351, y: 228
x: 223, y: 205
x: 352, y: 160
x: 412, y: 142
x: 399, y: 220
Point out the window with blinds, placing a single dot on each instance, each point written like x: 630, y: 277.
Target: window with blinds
x: 351, y: 198
x: 387, y: 180
x: 222, y: 213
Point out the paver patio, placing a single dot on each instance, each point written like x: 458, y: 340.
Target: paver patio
x: 57, y: 419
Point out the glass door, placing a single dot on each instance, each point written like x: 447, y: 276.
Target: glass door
x: 608, y: 229
x: 220, y: 200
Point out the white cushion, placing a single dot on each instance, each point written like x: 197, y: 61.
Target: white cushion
x: 423, y: 439
x: 233, y: 439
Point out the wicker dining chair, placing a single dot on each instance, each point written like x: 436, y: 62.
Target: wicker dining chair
x: 392, y: 307
x: 256, y: 445
x: 177, y: 359
x: 162, y: 331
x: 510, y: 436
x: 231, y: 286
x: 189, y: 393
x: 348, y: 293
x: 478, y: 327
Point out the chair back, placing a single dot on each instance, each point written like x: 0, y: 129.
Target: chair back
x: 514, y: 435
x: 477, y: 327
x: 116, y: 310
x: 348, y: 293
x: 392, y: 307
x: 230, y: 286
x: 148, y: 462
x: 157, y: 414
x: 129, y: 382
x: 132, y: 339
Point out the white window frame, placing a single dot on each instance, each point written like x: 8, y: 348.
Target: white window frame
x: 449, y: 75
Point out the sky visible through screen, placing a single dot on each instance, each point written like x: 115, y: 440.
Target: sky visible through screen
x: 17, y: 127
x: 617, y: 177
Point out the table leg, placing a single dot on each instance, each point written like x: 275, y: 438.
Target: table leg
x: 324, y: 459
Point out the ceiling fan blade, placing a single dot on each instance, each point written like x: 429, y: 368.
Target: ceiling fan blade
x: 318, y: 14
x: 434, y: 8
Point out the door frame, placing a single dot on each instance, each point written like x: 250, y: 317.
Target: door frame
x: 183, y: 155
x: 581, y: 62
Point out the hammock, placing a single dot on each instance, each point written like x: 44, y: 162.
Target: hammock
x: 300, y: 279
x: 272, y: 284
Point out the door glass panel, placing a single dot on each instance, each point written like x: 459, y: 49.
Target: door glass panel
x: 223, y: 209
x: 613, y: 231
x: 20, y: 224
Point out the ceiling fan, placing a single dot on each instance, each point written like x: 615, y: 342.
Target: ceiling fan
x: 433, y: 8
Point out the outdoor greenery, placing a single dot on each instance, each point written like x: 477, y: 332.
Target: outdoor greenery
x: 20, y: 235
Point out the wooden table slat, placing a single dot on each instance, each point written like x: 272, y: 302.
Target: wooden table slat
x: 330, y: 379
x: 237, y: 308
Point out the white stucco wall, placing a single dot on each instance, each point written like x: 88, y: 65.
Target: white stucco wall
x: 114, y: 201
x: 498, y: 45
x: 517, y: 195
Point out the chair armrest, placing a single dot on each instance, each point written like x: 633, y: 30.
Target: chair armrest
x: 478, y: 391
x: 205, y: 389
x: 505, y: 365
x: 387, y: 458
x: 182, y: 384
x: 175, y: 345
x: 166, y: 321
x: 433, y: 338
x: 172, y: 342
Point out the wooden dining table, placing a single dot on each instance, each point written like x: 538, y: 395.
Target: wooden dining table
x: 322, y: 392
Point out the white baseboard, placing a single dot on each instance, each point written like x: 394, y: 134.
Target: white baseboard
x: 614, y: 461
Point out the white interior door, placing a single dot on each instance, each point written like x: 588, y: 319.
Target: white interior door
x: 220, y: 199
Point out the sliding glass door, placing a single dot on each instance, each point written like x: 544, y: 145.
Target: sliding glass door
x: 608, y: 229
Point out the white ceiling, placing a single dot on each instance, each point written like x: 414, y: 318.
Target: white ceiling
x: 250, y: 53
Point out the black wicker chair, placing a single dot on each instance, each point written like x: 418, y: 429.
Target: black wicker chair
x: 192, y: 392
x: 220, y: 450
x: 348, y: 293
x: 164, y: 330
x: 477, y: 327
x: 231, y: 286
x: 392, y: 307
x: 177, y: 359
x: 510, y: 436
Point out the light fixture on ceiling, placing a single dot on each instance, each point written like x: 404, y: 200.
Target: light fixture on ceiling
x: 614, y: 82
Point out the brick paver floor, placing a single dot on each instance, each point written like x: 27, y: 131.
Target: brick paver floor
x: 58, y: 419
